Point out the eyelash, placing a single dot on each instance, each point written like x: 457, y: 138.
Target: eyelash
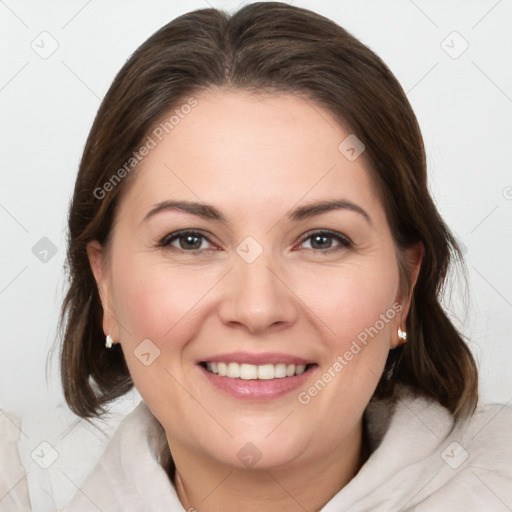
x: 344, y: 242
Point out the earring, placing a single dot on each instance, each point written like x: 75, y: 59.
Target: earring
x: 109, y: 341
x: 402, y: 334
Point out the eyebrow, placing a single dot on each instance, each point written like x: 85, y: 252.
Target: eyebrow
x: 209, y: 212
x: 310, y: 210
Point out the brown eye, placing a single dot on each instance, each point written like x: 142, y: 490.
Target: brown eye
x: 187, y: 241
x: 326, y: 240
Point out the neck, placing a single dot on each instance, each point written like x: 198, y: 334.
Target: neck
x: 206, y: 485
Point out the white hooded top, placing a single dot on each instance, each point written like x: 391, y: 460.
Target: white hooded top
x: 418, y: 463
x: 14, y: 496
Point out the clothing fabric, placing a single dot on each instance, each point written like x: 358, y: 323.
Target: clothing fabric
x: 418, y: 463
x: 14, y: 495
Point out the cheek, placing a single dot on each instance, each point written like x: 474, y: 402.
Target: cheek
x: 353, y: 300
x: 158, y: 301
x: 357, y: 309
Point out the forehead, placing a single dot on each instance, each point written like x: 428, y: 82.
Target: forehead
x: 236, y: 150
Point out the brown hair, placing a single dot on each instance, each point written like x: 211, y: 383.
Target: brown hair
x: 266, y: 47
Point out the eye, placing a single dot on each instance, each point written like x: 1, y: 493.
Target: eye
x: 323, y: 241
x: 192, y: 242
x: 195, y: 242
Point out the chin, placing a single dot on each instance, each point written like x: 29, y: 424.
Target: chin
x: 259, y: 452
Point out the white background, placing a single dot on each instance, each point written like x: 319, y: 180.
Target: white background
x: 464, y: 106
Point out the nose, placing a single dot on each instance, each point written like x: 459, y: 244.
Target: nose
x: 257, y: 298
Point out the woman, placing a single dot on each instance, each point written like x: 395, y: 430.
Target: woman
x: 253, y: 246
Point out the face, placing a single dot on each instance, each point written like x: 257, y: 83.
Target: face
x: 277, y: 267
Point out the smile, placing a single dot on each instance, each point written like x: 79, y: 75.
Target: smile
x: 256, y: 376
x: 247, y: 371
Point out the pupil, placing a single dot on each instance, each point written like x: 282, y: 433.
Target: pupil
x: 324, y: 242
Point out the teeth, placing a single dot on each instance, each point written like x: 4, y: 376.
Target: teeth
x: 233, y: 371
x: 266, y: 372
x: 222, y: 368
x: 248, y: 371
x: 300, y: 369
x: 279, y: 371
x: 252, y: 372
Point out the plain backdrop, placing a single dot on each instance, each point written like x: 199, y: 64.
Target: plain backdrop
x: 58, y: 59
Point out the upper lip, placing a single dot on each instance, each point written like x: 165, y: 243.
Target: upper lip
x: 256, y: 359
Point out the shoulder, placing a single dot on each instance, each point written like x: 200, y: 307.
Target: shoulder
x: 426, y: 461
x: 129, y: 475
x: 487, y: 437
x: 475, y: 463
x: 14, y: 494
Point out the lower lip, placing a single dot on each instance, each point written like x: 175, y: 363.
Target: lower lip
x: 257, y: 389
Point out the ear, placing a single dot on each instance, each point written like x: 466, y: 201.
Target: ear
x: 413, y: 257
x: 96, y: 255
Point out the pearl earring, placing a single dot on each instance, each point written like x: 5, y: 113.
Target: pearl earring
x: 109, y: 341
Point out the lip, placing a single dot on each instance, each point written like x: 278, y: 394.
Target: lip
x: 257, y: 390
x: 256, y: 359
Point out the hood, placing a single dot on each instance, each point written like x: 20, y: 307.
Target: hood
x: 420, y: 461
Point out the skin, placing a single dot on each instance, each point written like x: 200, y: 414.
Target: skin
x: 255, y: 158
